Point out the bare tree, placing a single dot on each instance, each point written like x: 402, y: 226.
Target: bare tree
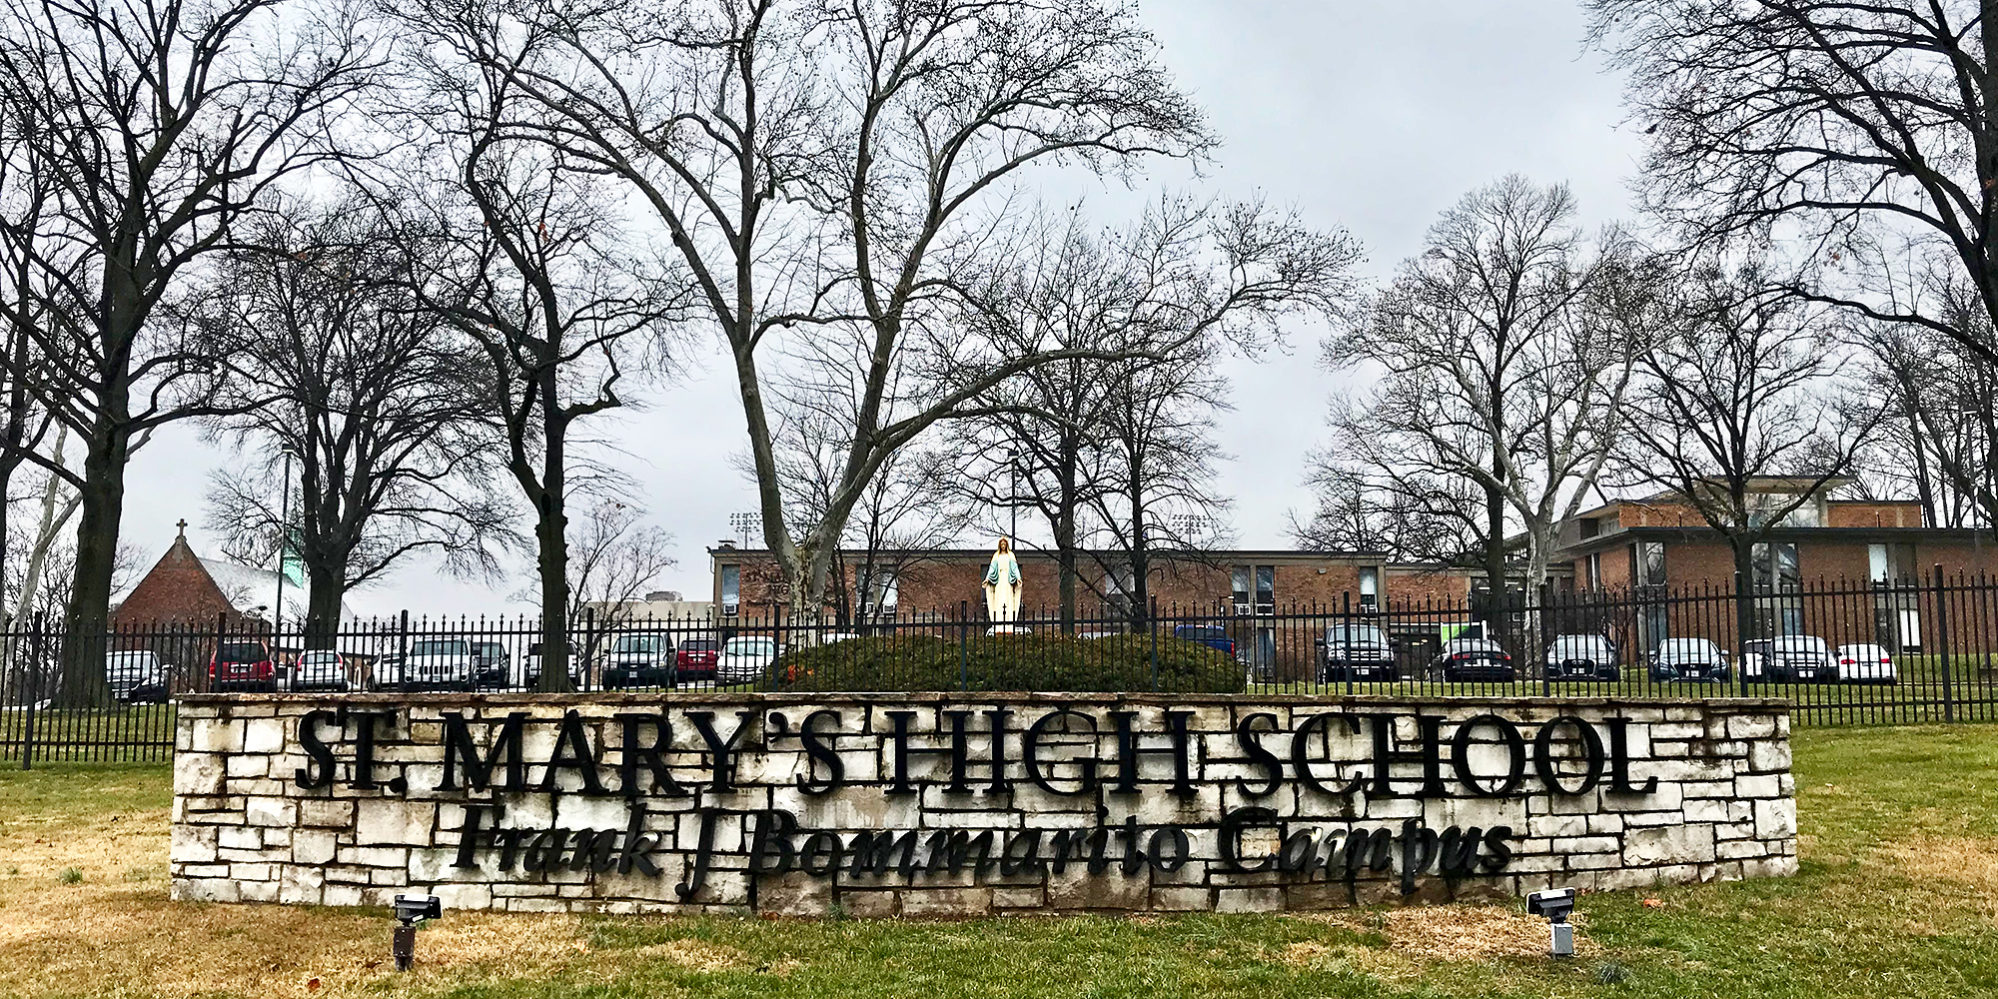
x: 1939, y: 439
x: 165, y: 124
x: 838, y: 170
x: 614, y: 558
x: 1409, y: 517
x: 1741, y: 390
x: 1861, y: 130
x: 527, y: 258
x: 1105, y: 447
x: 1506, y: 349
x: 374, y: 401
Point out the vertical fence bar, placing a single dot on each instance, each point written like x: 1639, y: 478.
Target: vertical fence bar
x: 964, y: 645
x: 1154, y: 613
x: 1943, y: 643
x: 34, y: 694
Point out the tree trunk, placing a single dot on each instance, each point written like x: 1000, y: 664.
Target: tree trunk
x: 1064, y: 534
x: 552, y: 560
x: 1495, y: 605
x: 325, y: 586
x: 89, y: 619
x: 1140, y: 554
x: 1744, y: 595
x: 551, y: 537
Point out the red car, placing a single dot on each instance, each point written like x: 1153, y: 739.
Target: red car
x: 696, y: 659
x: 240, y: 664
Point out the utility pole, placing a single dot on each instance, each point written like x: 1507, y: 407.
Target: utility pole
x: 1013, y: 495
x: 284, y: 538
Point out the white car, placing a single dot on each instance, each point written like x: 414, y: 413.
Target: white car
x: 320, y: 669
x: 746, y: 658
x: 439, y: 664
x: 1866, y: 664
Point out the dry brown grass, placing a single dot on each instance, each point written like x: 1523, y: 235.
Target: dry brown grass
x: 117, y: 932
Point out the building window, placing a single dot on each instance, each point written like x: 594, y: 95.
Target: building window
x: 1590, y: 527
x: 1254, y: 589
x: 1596, y: 571
x: 1370, y: 587
x: 1897, y: 614
x: 887, y: 592
x: 731, y: 589
x: 1780, y: 611
x: 1650, y: 570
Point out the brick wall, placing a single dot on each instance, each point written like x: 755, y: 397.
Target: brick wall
x: 1700, y: 791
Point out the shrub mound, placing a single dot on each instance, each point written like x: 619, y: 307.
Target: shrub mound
x: 1009, y: 662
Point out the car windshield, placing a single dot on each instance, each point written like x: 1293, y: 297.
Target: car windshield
x: 1358, y: 634
x: 242, y: 652
x: 446, y: 648
x: 1471, y: 645
x: 128, y: 660
x: 1582, y: 643
x: 699, y: 645
x: 1801, y: 643
x: 1685, y: 647
x: 319, y: 657
x: 750, y: 645
x: 1863, y: 652
x: 640, y: 643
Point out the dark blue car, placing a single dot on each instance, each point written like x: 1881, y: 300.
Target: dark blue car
x: 1212, y: 636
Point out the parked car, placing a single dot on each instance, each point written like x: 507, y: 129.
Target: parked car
x: 1788, y: 659
x: 1472, y: 659
x: 132, y: 673
x: 385, y: 673
x: 1689, y: 659
x: 439, y: 664
x: 1866, y: 664
x: 320, y: 669
x: 242, y: 664
x: 1211, y: 635
x: 639, y: 661
x: 746, y: 658
x: 491, y: 664
x: 696, y: 658
x: 1356, y: 650
x: 1583, y: 657
x: 531, y: 668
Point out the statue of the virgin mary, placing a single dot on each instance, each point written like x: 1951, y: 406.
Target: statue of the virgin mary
x: 1002, y: 587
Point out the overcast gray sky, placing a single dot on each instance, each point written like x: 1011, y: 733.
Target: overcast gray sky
x: 1368, y: 115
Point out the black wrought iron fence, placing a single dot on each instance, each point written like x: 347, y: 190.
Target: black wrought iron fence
x: 1846, y: 653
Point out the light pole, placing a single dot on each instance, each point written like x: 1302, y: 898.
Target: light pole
x: 284, y: 535
x: 1013, y: 495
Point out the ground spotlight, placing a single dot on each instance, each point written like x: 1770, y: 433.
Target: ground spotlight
x: 410, y: 910
x: 1555, y: 904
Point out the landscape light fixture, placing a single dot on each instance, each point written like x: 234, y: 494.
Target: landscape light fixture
x: 409, y: 911
x: 1555, y: 904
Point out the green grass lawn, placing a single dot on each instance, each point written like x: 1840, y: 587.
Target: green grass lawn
x: 1897, y: 896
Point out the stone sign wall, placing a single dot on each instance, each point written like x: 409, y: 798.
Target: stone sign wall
x: 908, y: 804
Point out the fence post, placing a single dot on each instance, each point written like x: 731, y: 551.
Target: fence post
x: 34, y: 694
x: 1942, y: 645
x: 963, y: 645
x: 1154, y: 629
x: 1345, y: 638
x: 1536, y: 651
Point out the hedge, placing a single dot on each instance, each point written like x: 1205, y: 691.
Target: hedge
x: 1043, y: 662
